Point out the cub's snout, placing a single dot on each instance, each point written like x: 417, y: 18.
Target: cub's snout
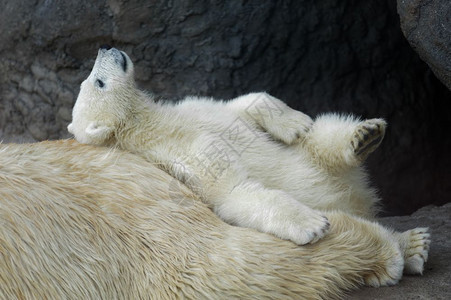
x: 119, y: 57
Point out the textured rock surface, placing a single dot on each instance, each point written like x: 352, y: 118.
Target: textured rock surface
x: 435, y: 282
x: 427, y: 26
x: 318, y: 56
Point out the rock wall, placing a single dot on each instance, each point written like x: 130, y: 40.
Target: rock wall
x: 426, y: 25
x: 319, y: 56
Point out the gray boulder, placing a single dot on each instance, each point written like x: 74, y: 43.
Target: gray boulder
x: 427, y: 26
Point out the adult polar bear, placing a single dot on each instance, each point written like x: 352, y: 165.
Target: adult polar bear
x: 79, y: 221
x: 248, y: 178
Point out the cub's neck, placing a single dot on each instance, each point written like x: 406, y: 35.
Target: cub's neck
x: 147, y: 123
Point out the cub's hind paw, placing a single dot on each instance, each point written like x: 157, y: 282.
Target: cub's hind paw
x: 367, y: 137
x: 416, y: 250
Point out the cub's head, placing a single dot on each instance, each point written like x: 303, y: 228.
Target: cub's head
x: 104, y: 98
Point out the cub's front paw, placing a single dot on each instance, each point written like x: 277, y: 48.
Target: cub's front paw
x: 308, y: 228
x: 291, y: 127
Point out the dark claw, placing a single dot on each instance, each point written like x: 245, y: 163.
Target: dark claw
x: 327, y: 225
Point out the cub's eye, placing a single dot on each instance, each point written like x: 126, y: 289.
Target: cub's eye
x: 100, y: 83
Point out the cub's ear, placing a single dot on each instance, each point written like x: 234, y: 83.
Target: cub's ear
x: 69, y: 128
x: 98, y: 132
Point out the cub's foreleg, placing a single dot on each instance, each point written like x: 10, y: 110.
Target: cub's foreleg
x: 272, y: 115
x: 219, y: 180
x: 249, y: 204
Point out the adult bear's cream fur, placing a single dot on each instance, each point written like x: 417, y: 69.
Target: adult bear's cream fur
x: 89, y: 222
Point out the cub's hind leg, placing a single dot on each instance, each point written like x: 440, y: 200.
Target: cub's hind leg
x: 342, y: 142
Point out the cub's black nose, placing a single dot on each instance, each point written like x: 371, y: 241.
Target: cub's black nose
x: 106, y: 47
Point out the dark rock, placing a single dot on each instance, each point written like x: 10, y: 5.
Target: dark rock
x: 434, y: 284
x: 319, y: 56
x: 427, y: 26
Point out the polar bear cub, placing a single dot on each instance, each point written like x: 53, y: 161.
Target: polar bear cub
x: 254, y: 160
